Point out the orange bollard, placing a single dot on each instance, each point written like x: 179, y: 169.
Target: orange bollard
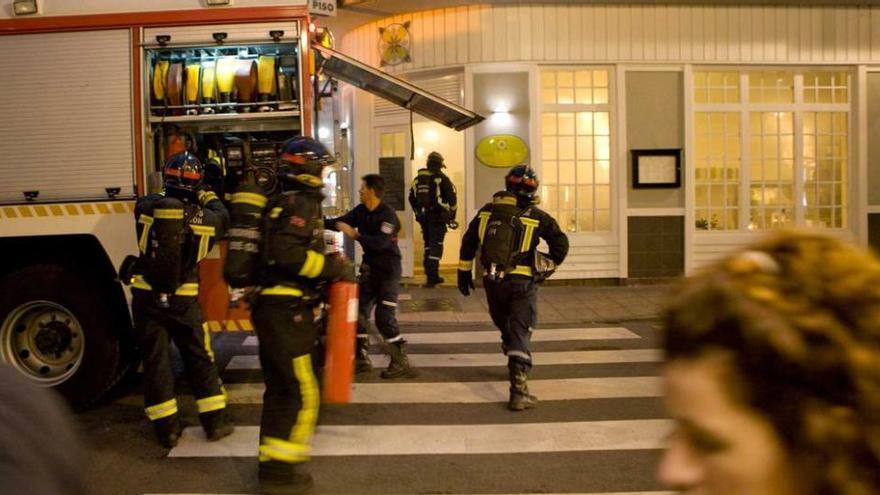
x: 341, y: 329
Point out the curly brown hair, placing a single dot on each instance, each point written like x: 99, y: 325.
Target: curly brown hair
x: 799, y: 317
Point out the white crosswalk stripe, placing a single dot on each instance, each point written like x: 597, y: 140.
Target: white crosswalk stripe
x: 475, y: 392
x: 494, y: 359
x: 356, y: 440
x: 477, y: 337
x: 575, y: 422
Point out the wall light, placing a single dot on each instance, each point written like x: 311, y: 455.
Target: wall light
x: 217, y: 3
x: 25, y: 7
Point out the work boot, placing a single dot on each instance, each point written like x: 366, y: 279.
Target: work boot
x: 399, y: 366
x: 216, y: 425
x: 520, y: 398
x: 281, y: 478
x: 168, y: 431
x: 362, y: 363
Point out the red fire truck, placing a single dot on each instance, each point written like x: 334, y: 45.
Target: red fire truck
x: 92, y: 104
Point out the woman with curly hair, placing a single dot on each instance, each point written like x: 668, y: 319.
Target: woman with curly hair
x: 773, y: 372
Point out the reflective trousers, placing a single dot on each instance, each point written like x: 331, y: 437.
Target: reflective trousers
x: 286, y: 330
x: 182, y: 323
x: 379, y: 289
x: 433, y: 232
x: 513, y: 306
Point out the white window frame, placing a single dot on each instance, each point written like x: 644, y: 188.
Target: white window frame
x: 798, y: 108
x: 605, y: 236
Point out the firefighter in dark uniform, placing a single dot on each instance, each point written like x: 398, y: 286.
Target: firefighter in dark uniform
x: 375, y: 225
x: 294, y: 270
x: 506, y: 232
x: 434, y: 202
x: 176, y: 229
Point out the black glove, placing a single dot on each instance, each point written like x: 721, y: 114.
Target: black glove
x: 465, y: 282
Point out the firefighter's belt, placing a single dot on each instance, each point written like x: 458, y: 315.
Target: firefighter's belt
x: 188, y: 289
x: 523, y: 270
x: 246, y: 80
x: 174, y: 85
x: 192, y: 83
x: 266, y: 70
x: 208, y: 83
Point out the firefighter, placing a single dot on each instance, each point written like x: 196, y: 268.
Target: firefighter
x: 176, y: 229
x: 294, y: 268
x: 375, y: 225
x: 434, y: 202
x: 506, y: 232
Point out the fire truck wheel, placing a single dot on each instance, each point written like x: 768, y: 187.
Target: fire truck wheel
x: 57, y: 329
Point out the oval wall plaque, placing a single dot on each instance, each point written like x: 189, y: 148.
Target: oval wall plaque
x: 502, y: 150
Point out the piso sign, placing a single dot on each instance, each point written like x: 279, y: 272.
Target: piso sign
x: 322, y: 7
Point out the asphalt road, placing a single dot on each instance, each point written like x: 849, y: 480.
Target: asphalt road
x: 598, y: 428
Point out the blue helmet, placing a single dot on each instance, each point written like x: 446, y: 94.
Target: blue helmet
x: 302, y: 159
x: 182, y: 172
x: 522, y: 181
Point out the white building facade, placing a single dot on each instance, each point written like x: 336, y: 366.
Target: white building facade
x: 771, y: 110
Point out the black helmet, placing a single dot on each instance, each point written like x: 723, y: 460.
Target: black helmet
x: 522, y: 181
x: 183, y: 173
x: 435, y: 161
x: 302, y: 160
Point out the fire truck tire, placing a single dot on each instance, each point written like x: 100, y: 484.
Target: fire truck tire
x: 57, y: 328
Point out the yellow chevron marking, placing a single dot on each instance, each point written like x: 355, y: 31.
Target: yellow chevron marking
x: 56, y: 210
x: 131, y: 207
x: 25, y: 211
x: 41, y: 211
x: 245, y: 325
x: 10, y: 212
x: 71, y: 209
x: 119, y: 208
x: 87, y: 209
x: 213, y: 325
x: 230, y: 325
x: 103, y: 208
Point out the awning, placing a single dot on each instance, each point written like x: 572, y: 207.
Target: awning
x: 395, y: 90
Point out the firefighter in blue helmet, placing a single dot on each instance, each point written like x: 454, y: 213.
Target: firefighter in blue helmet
x: 506, y: 232
x: 434, y: 202
x: 375, y: 225
x: 294, y: 268
x: 176, y: 229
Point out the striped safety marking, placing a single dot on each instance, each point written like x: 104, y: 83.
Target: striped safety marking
x: 67, y: 209
x: 229, y: 325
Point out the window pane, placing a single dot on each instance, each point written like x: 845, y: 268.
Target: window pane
x: 565, y: 96
x: 585, y: 172
x: 566, y: 173
x: 585, y: 198
x: 548, y: 197
x: 549, y: 147
x: 585, y: 123
x: 603, y: 199
x: 584, y: 96
x: 585, y: 148
x: 566, y: 148
x: 548, y: 124
x: 603, y: 172
x: 601, y: 125
x: 583, y: 79
x: 549, y: 173
x: 567, y: 198
x: 566, y: 124
x: 567, y: 221
x: 603, y: 148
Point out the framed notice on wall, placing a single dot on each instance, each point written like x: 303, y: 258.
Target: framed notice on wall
x: 391, y: 169
x: 656, y: 168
